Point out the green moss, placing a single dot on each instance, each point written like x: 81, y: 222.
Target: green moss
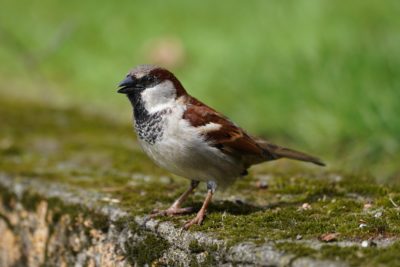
x: 80, y: 150
x: 7, y: 197
x: 195, y: 247
x: 149, y: 249
x: 209, y: 250
x: 123, y: 222
x: 100, y: 221
x: 357, y: 256
x: 354, y: 255
x: 146, y: 248
x: 297, y: 249
x: 30, y: 200
x: 365, y: 186
x: 65, y: 143
x: 210, y: 260
x: 332, y: 210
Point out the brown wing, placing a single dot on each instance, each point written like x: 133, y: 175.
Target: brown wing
x: 230, y: 138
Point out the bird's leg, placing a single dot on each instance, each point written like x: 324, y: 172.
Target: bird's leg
x: 175, y: 208
x: 211, y: 186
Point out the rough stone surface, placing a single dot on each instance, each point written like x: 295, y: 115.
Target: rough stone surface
x: 35, y: 233
x: 33, y: 239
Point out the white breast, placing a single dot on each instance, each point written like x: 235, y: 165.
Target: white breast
x: 182, y: 150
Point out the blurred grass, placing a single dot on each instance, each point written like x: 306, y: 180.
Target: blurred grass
x: 322, y: 76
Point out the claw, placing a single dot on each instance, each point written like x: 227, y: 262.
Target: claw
x: 196, y: 220
x: 172, y: 211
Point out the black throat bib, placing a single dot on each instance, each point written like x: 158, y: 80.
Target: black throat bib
x: 148, y: 126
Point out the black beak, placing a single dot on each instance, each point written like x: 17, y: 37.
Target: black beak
x: 127, y: 86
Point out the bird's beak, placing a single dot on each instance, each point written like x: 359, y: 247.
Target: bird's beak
x: 127, y: 85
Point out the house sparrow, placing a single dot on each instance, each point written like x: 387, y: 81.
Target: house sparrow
x: 190, y: 139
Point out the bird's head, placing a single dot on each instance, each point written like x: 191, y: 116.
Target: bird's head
x: 153, y: 84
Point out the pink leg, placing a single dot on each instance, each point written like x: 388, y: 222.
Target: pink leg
x: 202, y: 212
x: 175, y: 208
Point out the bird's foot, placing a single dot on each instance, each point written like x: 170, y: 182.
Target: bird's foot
x: 196, y: 220
x: 171, y: 211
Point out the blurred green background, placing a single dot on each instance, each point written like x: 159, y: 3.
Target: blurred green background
x: 321, y: 76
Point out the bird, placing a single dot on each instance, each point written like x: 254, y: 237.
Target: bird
x: 192, y: 140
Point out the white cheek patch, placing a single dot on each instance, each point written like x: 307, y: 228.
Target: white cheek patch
x: 159, y: 97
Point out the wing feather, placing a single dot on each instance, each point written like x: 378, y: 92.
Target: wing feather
x: 229, y: 138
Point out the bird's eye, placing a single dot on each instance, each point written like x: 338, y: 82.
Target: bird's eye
x: 146, y: 79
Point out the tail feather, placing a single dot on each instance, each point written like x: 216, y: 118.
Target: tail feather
x: 283, y: 152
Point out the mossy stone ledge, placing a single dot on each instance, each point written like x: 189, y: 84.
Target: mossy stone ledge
x: 50, y: 223
x: 75, y: 189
